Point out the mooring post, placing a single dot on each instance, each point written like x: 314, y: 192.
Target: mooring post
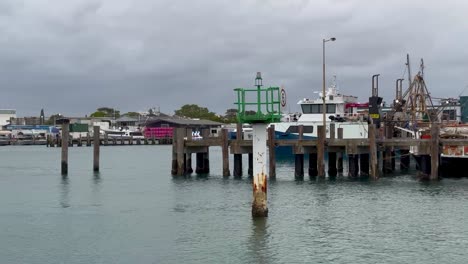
x: 259, y: 204
x: 373, y: 152
x: 313, y: 172
x: 299, y: 155
x: 321, y: 151
x: 225, y: 152
x: 434, y: 151
x: 238, y: 157
x: 65, y: 137
x: 206, y: 156
x: 340, y: 154
x: 332, y: 171
x: 97, y: 143
x: 271, y: 151
x: 180, y: 151
x: 174, y: 152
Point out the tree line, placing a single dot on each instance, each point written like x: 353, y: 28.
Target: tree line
x: 186, y: 111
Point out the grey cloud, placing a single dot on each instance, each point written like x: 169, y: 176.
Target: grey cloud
x: 133, y: 55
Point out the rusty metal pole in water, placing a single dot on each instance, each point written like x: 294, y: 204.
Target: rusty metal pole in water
x: 259, y: 204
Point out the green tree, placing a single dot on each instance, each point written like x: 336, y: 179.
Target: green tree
x: 230, y: 116
x: 195, y: 111
x: 106, y: 112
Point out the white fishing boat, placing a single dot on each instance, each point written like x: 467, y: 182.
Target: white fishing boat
x: 342, y: 110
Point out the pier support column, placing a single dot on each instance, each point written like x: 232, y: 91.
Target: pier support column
x: 96, y: 148
x: 180, y: 151
x: 321, y: 151
x: 364, y: 164
x: 373, y: 152
x: 339, y: 165
x: 353, y: 165
x: 404, y: 159
x: 188, y: 163
x: 250, y: 168
x: 313, y: 172
x: 340, y: 155
x: 434, y: 152
x: 299, y: 165
x: 203, y: 163
x: 271, y: 151
x: 259, y: 204
x: 238, y: 157
x: 332, y: 171
x: 225, y: 152
x: 237, y: 165
x: 65, y: 137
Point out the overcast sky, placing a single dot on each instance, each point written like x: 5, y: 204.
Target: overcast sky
x: 74, y: 56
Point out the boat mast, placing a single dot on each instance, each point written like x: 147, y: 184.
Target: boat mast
x: 409, y: 70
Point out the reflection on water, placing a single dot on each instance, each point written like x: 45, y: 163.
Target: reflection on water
x: 64, y: 192
x: 258, y: 240
x: 96, y: 177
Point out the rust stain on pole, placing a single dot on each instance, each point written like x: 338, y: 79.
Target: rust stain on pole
x: 259, y: 205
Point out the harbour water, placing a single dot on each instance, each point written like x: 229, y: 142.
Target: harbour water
x: 134, y: 211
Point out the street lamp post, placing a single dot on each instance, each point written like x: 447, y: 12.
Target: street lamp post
x: 321, y: 149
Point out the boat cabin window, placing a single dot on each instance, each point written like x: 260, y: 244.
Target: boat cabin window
x: 295, y: 129
x: 317, y: 108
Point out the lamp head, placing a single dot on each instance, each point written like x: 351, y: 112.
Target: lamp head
x: 332, y: 39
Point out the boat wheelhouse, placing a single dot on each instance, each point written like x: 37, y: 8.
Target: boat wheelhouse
x: 343, y: 110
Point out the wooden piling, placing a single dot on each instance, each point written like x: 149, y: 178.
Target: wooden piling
x: 65, y: 137
x: 174, y: 153
x: 321, y: 151
x: 434, y: 151
x: 271, y: 150
x: 96, y: 143
x: 364, y: 164
x: 353, y: 165
x: 188, y: 163
x: 340, y: 154
x: 88, y: 140
x: 332, y: 171
x: 299, y: 165
x: 225, y: 152
x: 180, y: 151
x: 250, y: 163
x: 313, y: 172
x: 238, y: 157
x: 373, y: 152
